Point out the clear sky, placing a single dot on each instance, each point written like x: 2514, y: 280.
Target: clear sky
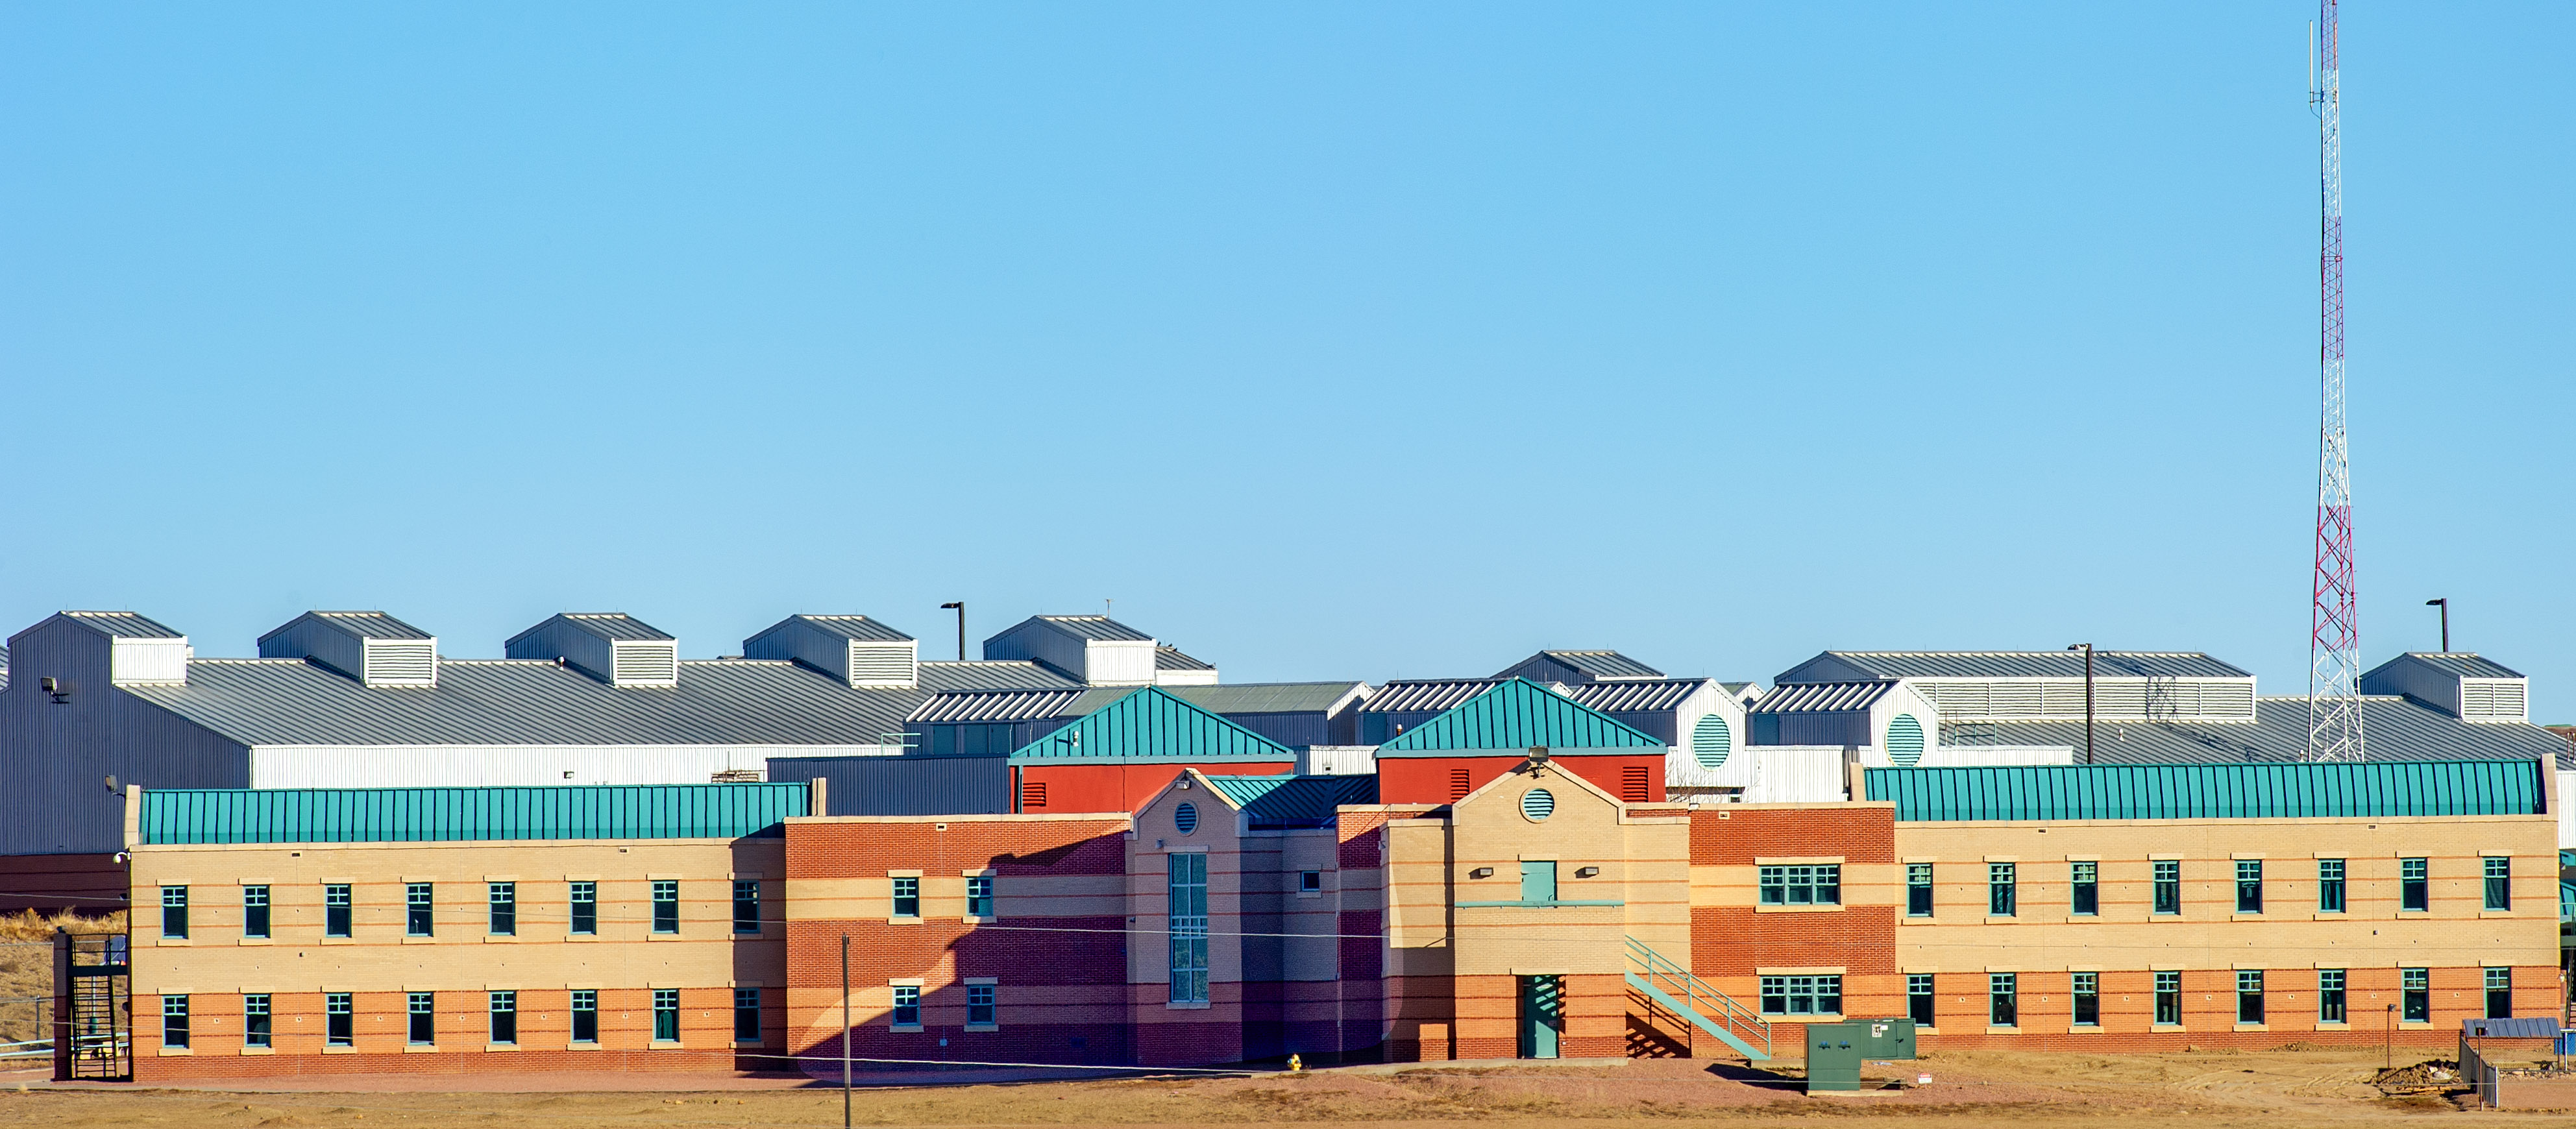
x: 1328, y: 340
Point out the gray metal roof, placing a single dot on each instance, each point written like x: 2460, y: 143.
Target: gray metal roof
x: 1171, y: 658
x: 2393, y: 729
x: 1092, y: 627
x: 1604, y: 664
x: 607, y: 625
x: 532, y: 702
x: 998, y: 705
x: 857, y: 627
x: 1242, y: 698
x: 1418, y: 694
x: 2462, y: 664
x: 942, y: 677
x: 126, y: 625
x: 1856, y: 666
x: 1821, y: 697
x: 366, y: 625
x: 1632, y: 696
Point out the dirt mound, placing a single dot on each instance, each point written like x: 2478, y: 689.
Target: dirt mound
x: 2431, y: 1077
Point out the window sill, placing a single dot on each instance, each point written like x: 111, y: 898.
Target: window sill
x: 2076, y: 918
x: 2496, y: 913
x: 2334, y: 1025
x: 2329, y: 915
x: 259, y: 1050
x: 330, y: 940
x: 763, y: 1042
x: 411, y: 940
x: 983, y: 1026
x: 662, y: 937
x: 1991, y: 1029
x: 171, y: 941
x: 501, y: 938
x: 1310, y: 893
x: 912, y: 920
x: 581, y: 936
x: 420, y: 1048
x: 500, y: 1046
x: 2166, y: 1028
x: 256, y: 941
x: 904, y: 1028
x: 2251, y: 1027
x: 1185, y: 1005
x: 2002, y: 918
x: 589, y: 1046
x: 979, y: 919
x: 176, y: 1052
x: 2247, y: 915
x: 2084, y: 1029
x: 1836, y: 908
x: 664, y: 1045
x: 337, y: 1049
x: 1811, y: 1017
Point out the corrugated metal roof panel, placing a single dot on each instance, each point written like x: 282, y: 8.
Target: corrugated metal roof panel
x: 1240, y: 698
x: 2210, y: 791
x: 1171, y: 658
x: 2465, y: 664
x: 1294, y: 801
x: 1093, y: 627
x: 1418, y: 694
x: 426, y: 815
x: 1604, y: 664
x: 2394, y: 728
x: 1520, y: 714
x: 2012, y: 664
x: 855, y: 627
x: 126, y: 625
x: 1821, y: 697
x: 943, y: 677
x: 365, y: 625
x: 1151, y: 724
x: 1629, y: 697
x: 1003, y: 705
x: 607, y: 625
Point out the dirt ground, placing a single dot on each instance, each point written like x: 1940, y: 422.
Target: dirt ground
x: 2223, y: 1090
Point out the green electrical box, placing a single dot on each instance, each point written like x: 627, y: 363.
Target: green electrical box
x: 1834, y: 1054
x: 1883, y: 1039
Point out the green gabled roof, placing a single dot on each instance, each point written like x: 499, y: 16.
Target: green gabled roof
x: 1151, y: 725
x: 1280, y: 801
x: 440, y: 815
x: 1520, y: 714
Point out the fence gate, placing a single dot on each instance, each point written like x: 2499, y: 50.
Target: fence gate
x: 98, y: 1026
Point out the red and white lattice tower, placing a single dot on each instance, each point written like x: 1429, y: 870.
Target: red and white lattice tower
x: 2334, y: 635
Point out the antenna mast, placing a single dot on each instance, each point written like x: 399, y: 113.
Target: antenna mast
x: 2334, y: 637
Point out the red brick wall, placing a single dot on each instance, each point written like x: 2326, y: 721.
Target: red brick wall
x: 1120, y: 787
x: 464, y: 1025
x: 2209, y: 1010
x: 1733, y: 835
x: 1428, y: 780
x: 86, y: 884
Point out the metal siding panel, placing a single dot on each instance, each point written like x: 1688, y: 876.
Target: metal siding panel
x: 2260, y: 791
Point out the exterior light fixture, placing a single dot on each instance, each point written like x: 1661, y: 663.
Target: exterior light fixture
x: 1481, y: 872
x: 1588, y: 872
x: 2443, y: 603
x: 959, y: 606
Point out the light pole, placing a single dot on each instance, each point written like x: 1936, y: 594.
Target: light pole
x: 845, y: 1031
x: 960, y: 607
x: 2445, y: 604
x: 2087, y: 648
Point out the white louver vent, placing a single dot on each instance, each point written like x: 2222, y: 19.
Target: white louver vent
x: 645, y: 663
x: 882, y: 664
x: 2161, y: 699
x: 2492, y: 699
x: 401, y: 662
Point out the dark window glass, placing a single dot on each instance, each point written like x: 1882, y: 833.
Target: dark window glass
x: 2329, y: 885
x: 1187, y: 910
x: 907, y: 897
x: 2330, y: 995
x: 2249, y: 997
x: 2499, y: 993
x: 746, y: 905
x: 2499, y: 873
x: 585, y: 907
x: 423, y: 1008
x: 174, y: 912
x: 416, y: 907
x: 1802, y: 995
x: 335, y: 910
x: 255, y: 1019
x: 1918, y: 889
x: 2414, y: 885
x: 2169, y: 998
x: 174, y: 1021
x: 505, y: 910
x: 666, y: 906
x: 666, y: 1015
x: 907, y: 1006
x: 2003, y: 999
x: 1919, y: 999
x: 2087, y: 990
x: 1801, y: 885
x: 505, y: 1017
x: 339, y: 1020
x: 2003, y: 890
x: 255, y: 913
x: 1310, y: 881
x: 979, y: 1005
x: 746, y: 1015
x: 585, y: 1016
x: 2415, y: 992
x: 2086, y: 880
x: 2249, y: 890
x: 979, y: 895
x: 2168, y: 886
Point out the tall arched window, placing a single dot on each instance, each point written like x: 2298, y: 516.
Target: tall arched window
x: 1711, y: 741
x: 1904, y: 741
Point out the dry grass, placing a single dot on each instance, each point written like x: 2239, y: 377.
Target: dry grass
x: 27, y: 966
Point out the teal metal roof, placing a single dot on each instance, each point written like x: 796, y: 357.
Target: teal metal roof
x: 1520, y: 714
x: 2211, y: 791
x: 1151, y: 724
x: 1294, y: 801
x: 438, y: 815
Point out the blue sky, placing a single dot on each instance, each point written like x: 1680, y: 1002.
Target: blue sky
x: 1328, y: 340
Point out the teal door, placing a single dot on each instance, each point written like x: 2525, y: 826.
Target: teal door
x: 1542, y: 1014
x: 1538, y: 881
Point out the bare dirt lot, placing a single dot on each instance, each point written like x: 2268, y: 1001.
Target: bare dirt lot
x: 2219, y: 1090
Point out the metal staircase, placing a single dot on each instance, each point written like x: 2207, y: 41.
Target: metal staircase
x: 1693, y: 999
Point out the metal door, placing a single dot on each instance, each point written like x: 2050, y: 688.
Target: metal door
x: 1542, y: 1015
x: 1538, y: 881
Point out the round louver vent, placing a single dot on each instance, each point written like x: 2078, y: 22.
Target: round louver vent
x: 1186, y: 817
x: 1904, y: 741
x: 1711, y: 741
x: 1538, y: 804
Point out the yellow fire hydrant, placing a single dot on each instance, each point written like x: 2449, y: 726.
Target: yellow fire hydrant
x: 1296, y: 1065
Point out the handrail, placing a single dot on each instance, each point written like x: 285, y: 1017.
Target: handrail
x: 1747, y: 1022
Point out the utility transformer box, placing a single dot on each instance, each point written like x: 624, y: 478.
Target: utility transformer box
x: 1834, y: 1054
x: 1886, y: 1038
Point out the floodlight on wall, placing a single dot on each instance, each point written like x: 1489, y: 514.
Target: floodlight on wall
x: 1588, y: 872
x: 1481, y: 872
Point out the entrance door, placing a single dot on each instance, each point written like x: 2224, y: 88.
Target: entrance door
x: 1542, y: 1015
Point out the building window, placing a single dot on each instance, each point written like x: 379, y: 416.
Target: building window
x: 1310, y: 882
x: 2249, y: 889
x: 1802, y: 995
x: 2414, y: 885
x: 174, y: 1021
x: 2329, y: 885
x: 746, y: 1015
x: 979, y: 1005
x: 2003, y: 890
x: 339, y: 1020
x: 1802, y: 885
x: 424, y: 1018
x: 2499, y: 993
x: 1189, y: 925
x: 666, y: 906
x: 2168, y: 886
x: 2499, y: 882
x: 2249, y: 997
x: 254, y: 911
x: 2330, y: 995
x: 416, y: 905
x: 1918, y: 999
x: 907, y: 1005
x: 505, y: 1017
x: 505, y: 910
x: 979, y: 896
x: 2085, y: 879
x: 335, y: 910
x: 907, y: 897
x: 2003, y: 999
x: 1918, y: 889
x: 255, y: 1020
x: 585, y: 1016
x: 746, y: 905
x: 666, y: 1015
x: 174, y: 912
x: 2087, y: 990
x: 2415, y: 995
x: 585, y: 907
x: 2169, y: 999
